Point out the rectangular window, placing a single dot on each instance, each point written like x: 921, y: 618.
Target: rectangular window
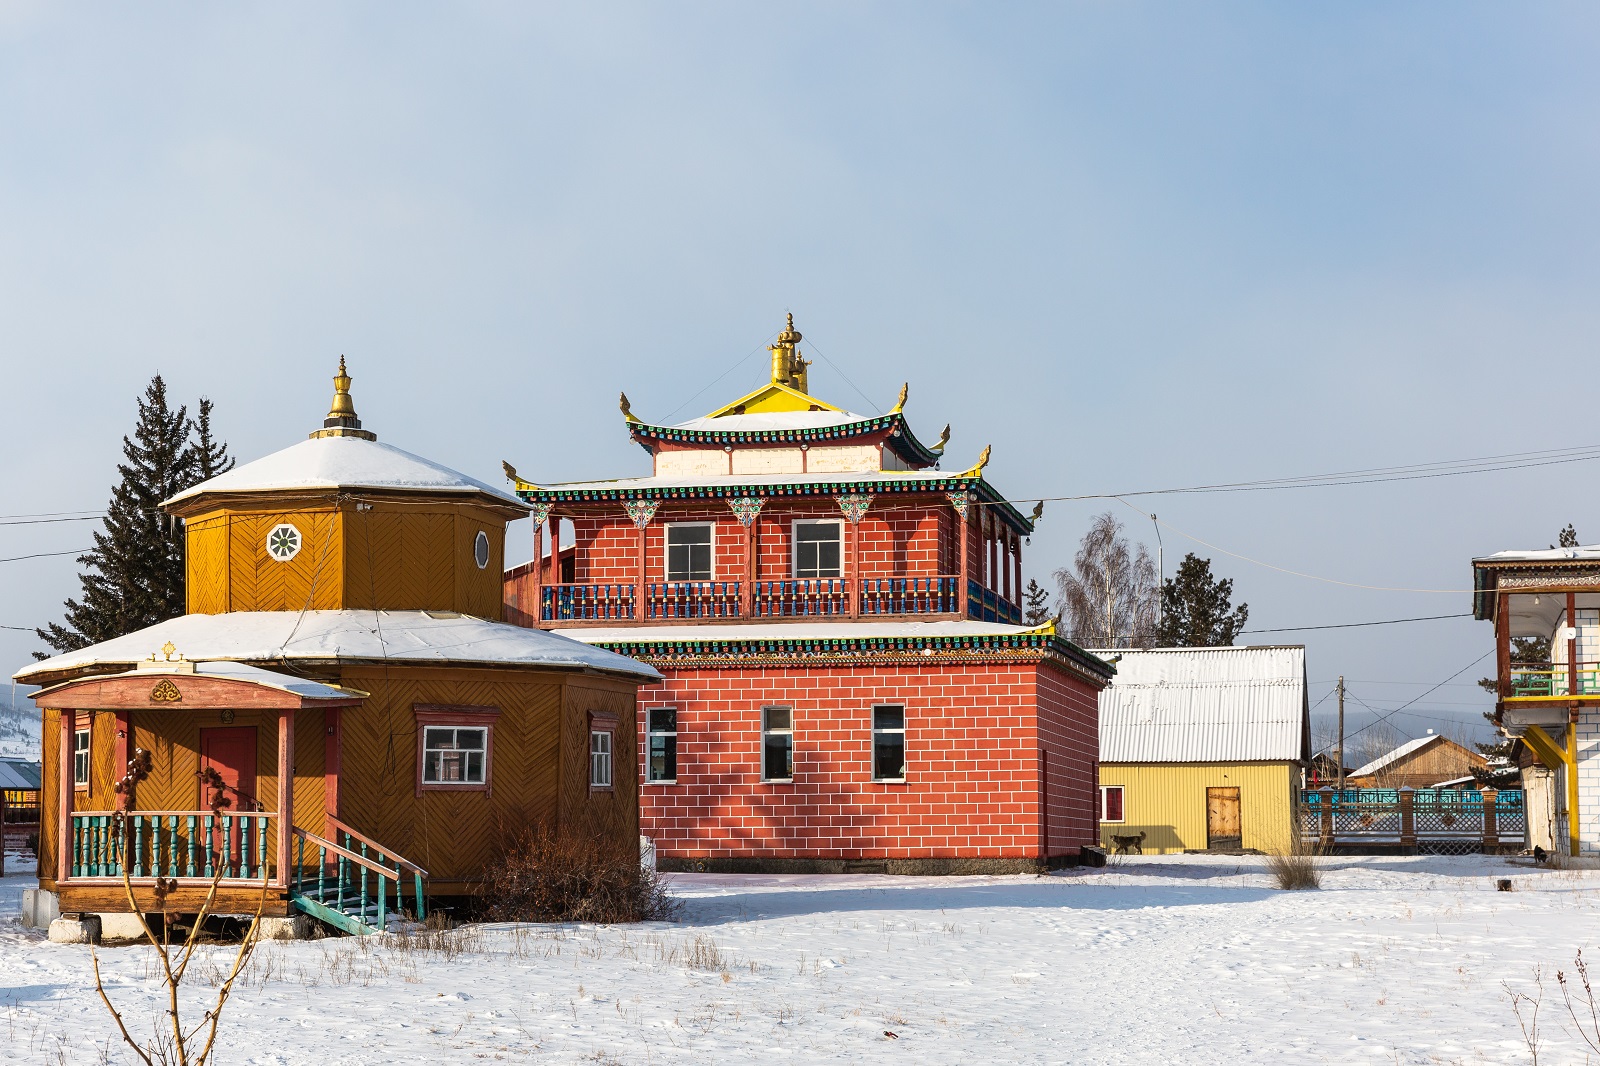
x: 661, y: 728
x: 454, y: 755
x: 599, y: 758
x: 888, y: 743
x: 818, y: 550
x: 80, y: 758
x: 777, y: 744
x: 689, y: 551
x: 1111, y: 803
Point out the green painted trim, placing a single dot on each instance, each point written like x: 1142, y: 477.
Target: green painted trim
x: 324, y: 913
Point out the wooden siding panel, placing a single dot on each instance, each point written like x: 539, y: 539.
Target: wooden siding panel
x: 599, y: 813
x: 206, y: 565
x: 49, y: 794
x: 243, y: 549
x: 1167, y: 801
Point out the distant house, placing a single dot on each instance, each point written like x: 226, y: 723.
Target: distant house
x: 1325, y: 769
x: 1427, y: 762
x: 19, y: 779
x: 1203, y: 748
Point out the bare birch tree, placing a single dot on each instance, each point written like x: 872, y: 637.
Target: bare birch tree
x: 1110, y: 598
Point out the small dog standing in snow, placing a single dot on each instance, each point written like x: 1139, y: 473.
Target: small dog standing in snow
x: 1127, y: 845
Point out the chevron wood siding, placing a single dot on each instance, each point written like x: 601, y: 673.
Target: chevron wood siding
x: 207, y: 553
x: 614, y: 812
x: 228, y: 567
x: 49, y: 791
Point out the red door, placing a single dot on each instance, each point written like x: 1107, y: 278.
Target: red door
x: 231, y: 752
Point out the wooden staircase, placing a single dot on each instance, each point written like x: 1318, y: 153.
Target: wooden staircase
x: 354, y: 883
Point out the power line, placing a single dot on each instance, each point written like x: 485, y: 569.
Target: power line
x: 1357, y: 625
x: 1409, y: 703
x: 47, y: 521
x: 45, y: 555
x: 875, y: 408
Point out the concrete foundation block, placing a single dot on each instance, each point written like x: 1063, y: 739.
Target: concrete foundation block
x: 40, y: 907
x: 294, y: 927
x: 120, y: 926
x: 84, y: 930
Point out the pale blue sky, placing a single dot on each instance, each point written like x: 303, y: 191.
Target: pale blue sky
x: 1130, y: 246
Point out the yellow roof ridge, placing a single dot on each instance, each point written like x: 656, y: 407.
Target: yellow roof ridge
x: 774, y: 397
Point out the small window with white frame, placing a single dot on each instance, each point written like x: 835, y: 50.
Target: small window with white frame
x: 689, y: 554
x: 888, y: 743
x: 80, y: 758
x: 777, y: 744
x: 1111, y: 803
x: 818, y: 549
x: 600, y: 758
x: 455, y: 755
x: 661, y: 732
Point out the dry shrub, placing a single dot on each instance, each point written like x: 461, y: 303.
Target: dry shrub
x: 546, y: 876
x: 1295, y: 869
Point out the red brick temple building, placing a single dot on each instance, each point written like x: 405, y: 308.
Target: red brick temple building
x: 847, y: 682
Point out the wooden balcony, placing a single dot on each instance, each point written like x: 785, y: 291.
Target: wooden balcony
x: 1533, y: 681
x: 802, y: 599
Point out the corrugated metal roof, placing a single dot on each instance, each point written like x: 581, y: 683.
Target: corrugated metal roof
x: 1399, y: 753
x: 1205, y: 705
x: 19, y: 775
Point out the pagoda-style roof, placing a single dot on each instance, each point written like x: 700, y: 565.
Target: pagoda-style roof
x: 736, y: 487
x: 790, y: 427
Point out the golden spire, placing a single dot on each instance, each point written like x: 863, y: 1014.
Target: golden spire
x: 342, y: 420
x: 788, y: 367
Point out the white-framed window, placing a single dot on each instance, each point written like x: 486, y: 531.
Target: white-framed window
x: 818, y: 548
x: 599, y: 758
x: 480, y: 550
x: 661, y: 732
x: 80, y: 758
x: 888, y: 743
x: 455, y: 755
x: 689, y: 551
x: 1111, y: 803
x: 777, y: 744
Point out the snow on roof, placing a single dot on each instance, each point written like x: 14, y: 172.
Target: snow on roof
x: 411, y: 637
x: 19, y: 775
x: 772, y: 420
x: 790, y: 631
x: 753, y: 480
x: 1543, y: 555
x: 344, y: 463
x: 1243, y: 704
x: 1398, y: 753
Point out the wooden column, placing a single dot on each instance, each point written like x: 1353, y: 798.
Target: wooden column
x: 1005, y: 563
x: 119, y: 765
x: 1570, y: 772
x: 1572, y: 644
x: 852, y: 570
x: 965, y: 551
x: 1491, y: 827
x: 1325, y: 822
x: 752, y: 541
x: 64, y: 812
x: 332, y: 721
x: 555, y: 563
x: 639, y: 588
x: 1502, y: 641
x: 285, y: 791
x: 536, y: 610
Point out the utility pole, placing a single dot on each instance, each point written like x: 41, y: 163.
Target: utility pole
x: 1341, y: 732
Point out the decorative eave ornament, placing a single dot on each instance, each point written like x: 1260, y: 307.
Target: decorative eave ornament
x: 627, y: 408
x: 899, y: 404
x: 983, y: 461
x: 854, y: 506
x: 944, y: 438
x: 342, y: 420
x: 511, y: 476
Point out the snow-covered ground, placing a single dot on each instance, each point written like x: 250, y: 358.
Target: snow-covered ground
x: 1179, y: 959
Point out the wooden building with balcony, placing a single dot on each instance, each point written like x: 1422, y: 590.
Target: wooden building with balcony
x: 1545, y: 606
x: 341, y: 718
x: 838, y: 623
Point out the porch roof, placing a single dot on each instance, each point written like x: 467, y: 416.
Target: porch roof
x: 220, y: 681
x: 417, y: 638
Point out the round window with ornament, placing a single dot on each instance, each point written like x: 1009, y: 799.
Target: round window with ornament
x: 480, y: 550
x: 284, y: 542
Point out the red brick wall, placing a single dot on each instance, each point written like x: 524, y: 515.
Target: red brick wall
x: 972, y: 742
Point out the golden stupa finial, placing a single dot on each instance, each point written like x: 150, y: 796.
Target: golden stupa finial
x: 905, y: 391
x: 342, y: 420
x: 788, y: 366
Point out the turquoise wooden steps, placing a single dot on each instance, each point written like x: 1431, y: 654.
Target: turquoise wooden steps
x: 355, y: 884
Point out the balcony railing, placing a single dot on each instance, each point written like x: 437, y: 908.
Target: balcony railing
x: 987, y: 605
x: 909, y: 595
x: 176, y: 844
x: 801, y: 598
x: 586, y: 603
x: 1552, y: 679
x: 692, y: 599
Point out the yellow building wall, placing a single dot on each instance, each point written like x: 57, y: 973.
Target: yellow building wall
x: 383, y: 555
x: 1167, y: 802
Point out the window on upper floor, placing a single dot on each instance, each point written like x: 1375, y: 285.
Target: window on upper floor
x: 818, y: 549
x: 689, y: 551
x: 661, y: 731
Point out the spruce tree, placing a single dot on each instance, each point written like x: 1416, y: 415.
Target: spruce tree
x: 134, y: 575
x: 210, y: 455
x: 1197, y: 609
x: 1036, y: 604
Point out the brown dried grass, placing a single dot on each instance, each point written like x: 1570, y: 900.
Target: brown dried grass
x: 544, y: 876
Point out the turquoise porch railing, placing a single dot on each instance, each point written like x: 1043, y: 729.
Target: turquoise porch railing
x: 356, y: 878
x: 175, y: 844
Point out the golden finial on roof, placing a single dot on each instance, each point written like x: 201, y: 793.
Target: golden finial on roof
x: 983, y: 461
x: 627, y: 408
x: 944, y: 438
x: 905, y: 390
x: 342, y: 420
x: 788, y: 366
